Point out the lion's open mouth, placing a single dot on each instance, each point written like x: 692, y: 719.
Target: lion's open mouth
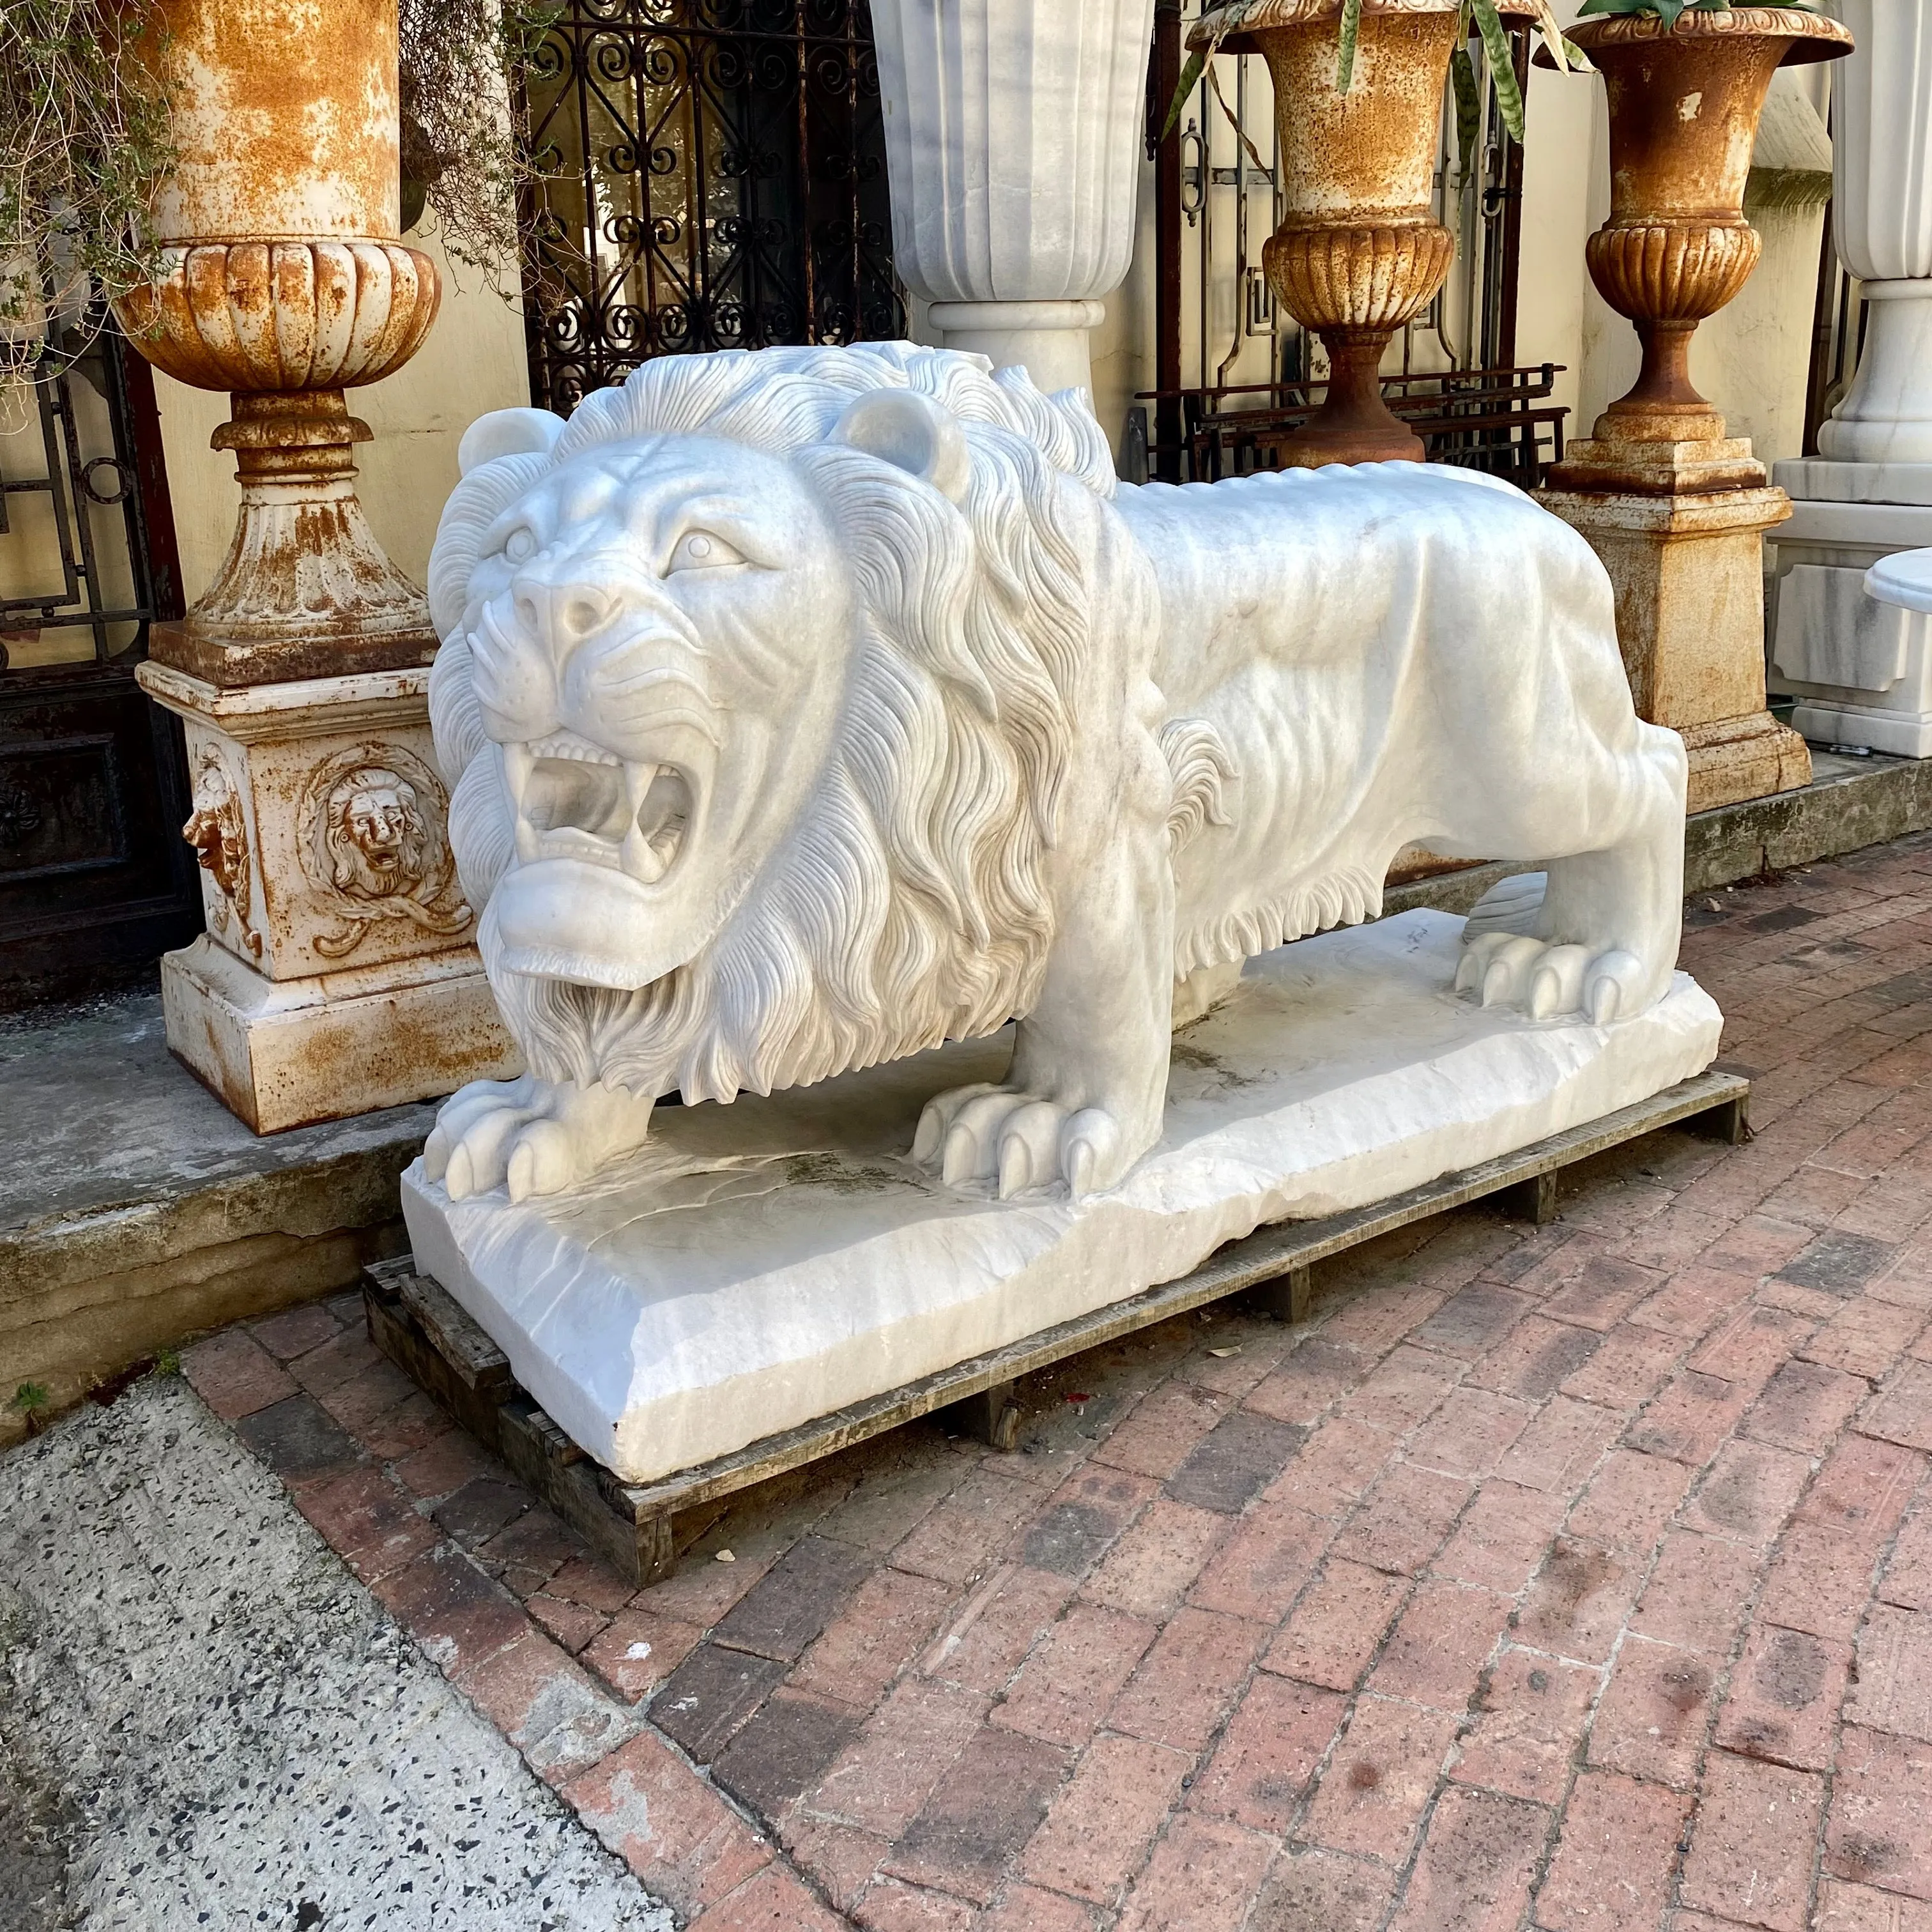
x: 575, y: 800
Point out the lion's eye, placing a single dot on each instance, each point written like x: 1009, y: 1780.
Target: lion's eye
x: 700, y: 549
x: 521, y: 544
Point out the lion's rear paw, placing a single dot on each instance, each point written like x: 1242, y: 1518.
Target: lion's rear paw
x: 1508, y: 969
x: 1019, y: 1141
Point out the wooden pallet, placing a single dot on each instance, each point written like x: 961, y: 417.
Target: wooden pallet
x: 417, y: 1324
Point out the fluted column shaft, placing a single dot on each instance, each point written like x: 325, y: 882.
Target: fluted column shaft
x: 1013, y: 129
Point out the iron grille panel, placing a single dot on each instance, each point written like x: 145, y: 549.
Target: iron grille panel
x: 714, y: 179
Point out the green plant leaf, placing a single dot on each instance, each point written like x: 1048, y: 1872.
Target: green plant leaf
x: 1344, y: 57
x: 1502, y: 67
x: 1190, y: 77
x: 1468, y: 108
x: 1553, y: 35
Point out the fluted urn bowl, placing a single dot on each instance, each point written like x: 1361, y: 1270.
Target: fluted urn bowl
x: 283, y: 316
x: 1684, y: 104
x: 1359, y: 252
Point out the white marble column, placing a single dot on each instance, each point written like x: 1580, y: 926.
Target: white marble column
x: 1862, y: 674
x: 1013, y: 135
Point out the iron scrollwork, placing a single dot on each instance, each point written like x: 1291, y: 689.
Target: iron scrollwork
x: 715, y: 178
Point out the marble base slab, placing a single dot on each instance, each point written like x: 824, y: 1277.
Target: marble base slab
x: 759, y: 1265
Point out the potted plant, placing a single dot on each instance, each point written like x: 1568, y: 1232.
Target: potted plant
x: 1686, y: 81
x: 1358, y: 94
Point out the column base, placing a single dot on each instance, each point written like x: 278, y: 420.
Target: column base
x: 1049, y: 339
x: 1734, y: 759
x: 288, y: 1053
x: 1687, y: 571
x: 1861, y: 669
x: 1903, y: 734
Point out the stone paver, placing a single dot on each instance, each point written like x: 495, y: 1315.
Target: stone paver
x: 1570, y: 1578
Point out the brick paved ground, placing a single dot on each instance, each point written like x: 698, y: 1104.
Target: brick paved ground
x: 1578, y: 1578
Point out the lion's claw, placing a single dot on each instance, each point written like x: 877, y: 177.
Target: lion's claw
x: 529, y: 1136
x: 1504, y: 965
x: 1017, y: 1140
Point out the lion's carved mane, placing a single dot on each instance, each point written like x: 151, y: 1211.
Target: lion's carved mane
x: 910, y: 904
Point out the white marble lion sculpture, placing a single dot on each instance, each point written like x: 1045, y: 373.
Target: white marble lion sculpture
x: 808, y: 707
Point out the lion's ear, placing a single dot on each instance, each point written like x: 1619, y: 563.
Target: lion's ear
x: 508, y: 433
x: 913, y: 433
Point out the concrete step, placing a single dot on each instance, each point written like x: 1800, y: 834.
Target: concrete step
x: 135, y: 1210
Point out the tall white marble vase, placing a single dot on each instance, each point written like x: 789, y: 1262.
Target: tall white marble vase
x: 1862, y: 670
x: 1013, y: 134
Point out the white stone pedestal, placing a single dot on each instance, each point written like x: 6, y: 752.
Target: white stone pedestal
x: 761, y: 1265
x: 1860, y: 669
x: 337, y: 974
x: 1013, y: 138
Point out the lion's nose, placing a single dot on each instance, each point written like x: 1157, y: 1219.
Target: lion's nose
x: 564, y: 613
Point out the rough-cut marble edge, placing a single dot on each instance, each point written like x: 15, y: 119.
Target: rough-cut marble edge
x: 988, y: 1278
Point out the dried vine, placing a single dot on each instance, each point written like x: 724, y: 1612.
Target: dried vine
x: 466, y: 151
x: 85, y: 141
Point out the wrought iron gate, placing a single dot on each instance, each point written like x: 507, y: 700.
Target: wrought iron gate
x: 95, y: 881
x: 715, y: 178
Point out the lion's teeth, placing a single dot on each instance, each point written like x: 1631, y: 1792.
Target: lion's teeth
x: 640, y: 859
x: 517, y: 760
x: 568, y: 745
x: 637, y: 783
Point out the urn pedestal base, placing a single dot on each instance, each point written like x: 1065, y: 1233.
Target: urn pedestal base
x: 1688, y: 570
x: 337, y: 974
x: 287, y: 1053
x: 1049, y: 339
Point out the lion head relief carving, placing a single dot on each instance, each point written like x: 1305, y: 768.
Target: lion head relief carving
x: 756, y: 678
x: 376, y: 848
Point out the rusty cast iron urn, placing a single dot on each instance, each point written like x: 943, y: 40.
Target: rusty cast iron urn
x: 284, y: 284
x: 1683, y: 105
x: 1359, y: 252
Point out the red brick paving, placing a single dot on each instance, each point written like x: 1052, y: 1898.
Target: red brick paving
x: 1576, y: 1579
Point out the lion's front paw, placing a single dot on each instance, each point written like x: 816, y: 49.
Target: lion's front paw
x: 1514, y: 970
x: 529, y: 1136
x: 1020, y: 1141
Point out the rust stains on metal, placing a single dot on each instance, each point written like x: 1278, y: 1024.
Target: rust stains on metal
x: 284, y: 285
x: 1683, y: 108
x: 1359, y: 251
x: 286, y: 116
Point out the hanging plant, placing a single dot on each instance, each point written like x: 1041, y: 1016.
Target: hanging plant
x: 465, y: 150
x: 85, y: 143
x: 1478, y: 18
